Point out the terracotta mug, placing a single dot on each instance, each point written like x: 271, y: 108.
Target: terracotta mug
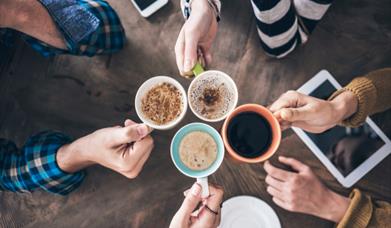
x: 275, y: 131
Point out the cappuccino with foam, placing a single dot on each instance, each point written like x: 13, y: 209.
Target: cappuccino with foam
x: 212, y: 96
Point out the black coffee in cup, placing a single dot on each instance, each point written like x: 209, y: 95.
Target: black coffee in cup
x: 249, y: 134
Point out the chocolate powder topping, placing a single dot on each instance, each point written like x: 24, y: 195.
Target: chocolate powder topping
x: 162, y: 103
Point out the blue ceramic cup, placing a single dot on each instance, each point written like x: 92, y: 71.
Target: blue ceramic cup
x: 200, y: 175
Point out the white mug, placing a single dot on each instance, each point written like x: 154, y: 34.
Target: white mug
x: 148, y: 85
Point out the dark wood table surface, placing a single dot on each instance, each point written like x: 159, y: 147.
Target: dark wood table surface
x: 77, y: 95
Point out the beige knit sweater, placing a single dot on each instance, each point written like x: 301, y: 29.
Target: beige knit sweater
x: 373, y: 92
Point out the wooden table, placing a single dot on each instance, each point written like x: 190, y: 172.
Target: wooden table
x: 78, y: 95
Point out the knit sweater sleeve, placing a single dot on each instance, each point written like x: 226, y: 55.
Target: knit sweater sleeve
x: 365, y: 212
x: 373, y: 93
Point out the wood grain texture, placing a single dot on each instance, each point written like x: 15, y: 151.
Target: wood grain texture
x: 77, y: 95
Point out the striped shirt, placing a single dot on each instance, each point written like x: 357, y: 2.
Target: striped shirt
x: 284, y: 24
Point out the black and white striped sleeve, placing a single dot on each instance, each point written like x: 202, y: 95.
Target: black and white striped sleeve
x: 284, y: 24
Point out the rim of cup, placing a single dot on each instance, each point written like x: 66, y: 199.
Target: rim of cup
x: 226, y: 78
x: 275, y: 131
x: 145, y: 87
x: 214, y: 167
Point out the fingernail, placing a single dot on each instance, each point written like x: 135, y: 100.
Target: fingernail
x: 142, y: 130
x: 187, y: 66
x: 195, y: 189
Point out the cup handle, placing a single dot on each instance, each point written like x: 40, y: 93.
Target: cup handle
x: 197, y: 69
x: 203, y: 181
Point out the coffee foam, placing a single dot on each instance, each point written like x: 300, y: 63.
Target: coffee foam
x: 198, y: 150
x: 222, y: 106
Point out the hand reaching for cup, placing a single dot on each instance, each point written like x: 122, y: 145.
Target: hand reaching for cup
x: 122, y: 149
x: 312, y: 114
x: 207, y: 215
x: 197, y: 33
x: 302, y: 191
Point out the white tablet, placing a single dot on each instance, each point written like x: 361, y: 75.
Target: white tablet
x: 348, y: 153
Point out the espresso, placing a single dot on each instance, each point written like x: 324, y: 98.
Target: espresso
x: 198, y: 150
x: 211, y: 97
x: 249, y: 134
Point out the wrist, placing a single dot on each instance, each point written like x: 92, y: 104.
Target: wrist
x: 336, y: 207
x: 345, y: 105
x: 209, y: 8
x: 72, y: 158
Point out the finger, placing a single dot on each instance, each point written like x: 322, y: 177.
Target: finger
x: 285, y: 126
x: 140, y: 148
x: 179, y: 51
x: 129, y: 122
x: 133, y: 133
x: 295, y: 164
x: 206, y: 53
x: 186, y: 192
x: 295, y: 114
x: 191, y: 201
x: 277, y: 184
x: 215, y: 198
x: 217, y: 219
x: 283, y: 123
x: 274, y: 192
x: 190, y: 57
x: 288, y: 99
x: 280, y: 203
x: 138, y: 167
x: 310, y: 128
x: 277, y: 173
x: 193, y: 219
x: 207, y: 217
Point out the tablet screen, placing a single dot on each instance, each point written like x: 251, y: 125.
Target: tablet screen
x: 346, y: 148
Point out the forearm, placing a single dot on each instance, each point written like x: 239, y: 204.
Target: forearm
x: 71, y: 158
x: 31, y: 18
x: 337, y: 205
x: 372, y: 93
x: 345, y: 105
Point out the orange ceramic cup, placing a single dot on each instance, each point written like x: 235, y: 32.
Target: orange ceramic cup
x: 275, y: 128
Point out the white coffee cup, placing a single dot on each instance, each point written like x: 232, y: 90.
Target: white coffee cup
x: 147, y: 86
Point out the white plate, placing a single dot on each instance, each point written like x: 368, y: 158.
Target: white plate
x: 248, y: 212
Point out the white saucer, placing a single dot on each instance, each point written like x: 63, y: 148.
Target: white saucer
x: 248, y: 212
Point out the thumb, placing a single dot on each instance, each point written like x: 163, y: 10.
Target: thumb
x: 294, y: 114
x: 190, y: 58
x: 191, y: 201
x: 131, y: 133
x: 295, y: 164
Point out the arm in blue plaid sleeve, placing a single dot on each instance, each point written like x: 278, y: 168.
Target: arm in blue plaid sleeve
x: 35, y: 165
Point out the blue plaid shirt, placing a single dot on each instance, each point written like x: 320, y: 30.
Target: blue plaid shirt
x: 35, y: 165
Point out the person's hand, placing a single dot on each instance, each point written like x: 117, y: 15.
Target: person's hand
x: 198, y: 32
x: 122, y: 149
x: 312, y: 114
x: 207, y: 215
x: 303, y: 192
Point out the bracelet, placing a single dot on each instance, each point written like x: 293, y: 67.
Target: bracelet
x: 214, y: 4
